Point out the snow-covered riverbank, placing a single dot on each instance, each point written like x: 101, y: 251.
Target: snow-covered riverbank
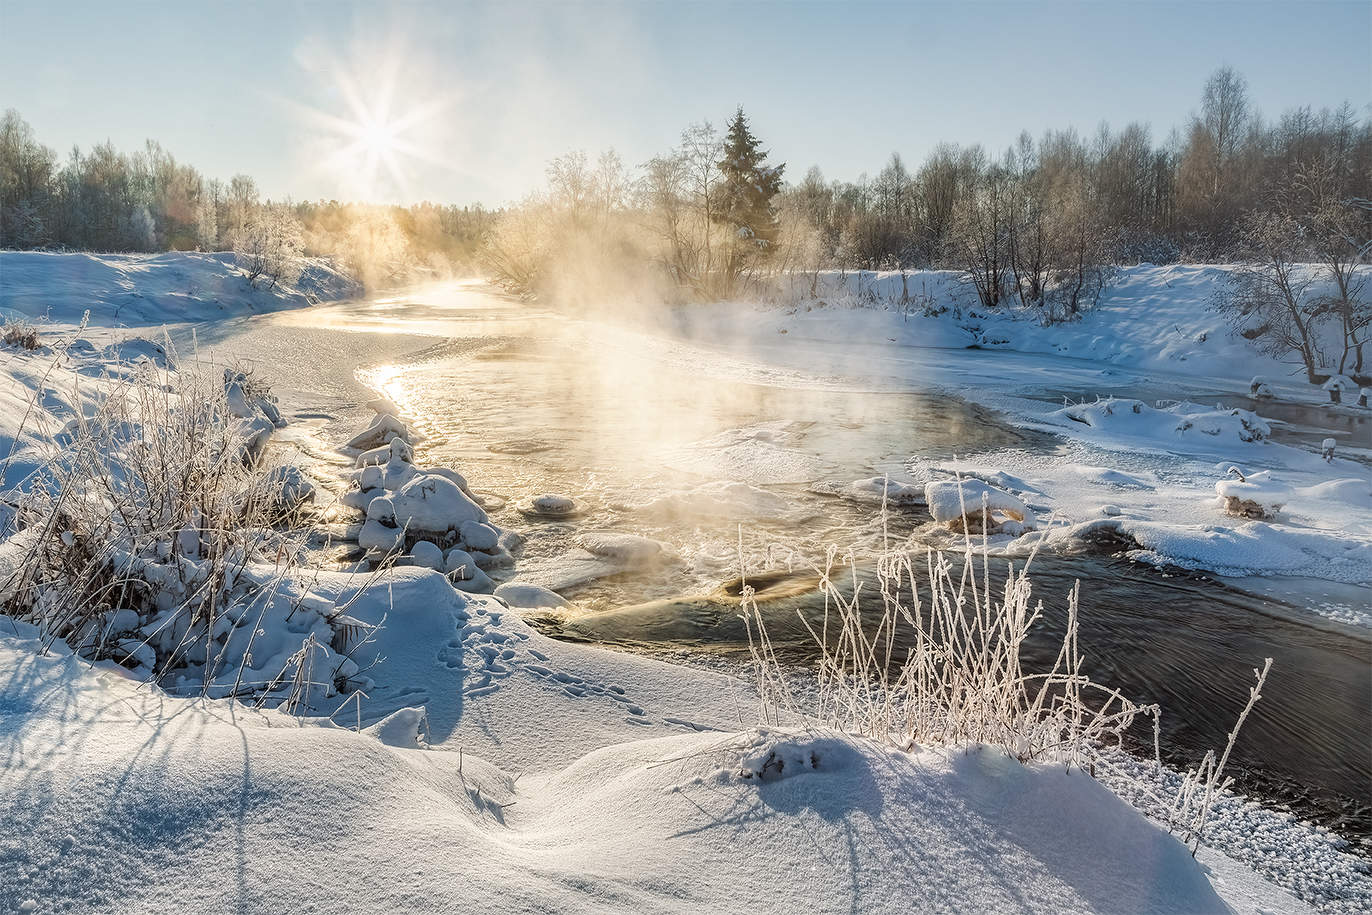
x: 148, y: 290
x: 1119, y: 387
x: 501, y: 770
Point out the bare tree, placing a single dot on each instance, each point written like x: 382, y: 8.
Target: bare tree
x: 981, y: 233
x: 1269, y: 300
x: 1340, y: 230
x: 269, y: 245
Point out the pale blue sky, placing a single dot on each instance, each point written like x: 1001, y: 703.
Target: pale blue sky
x: 506, y: 86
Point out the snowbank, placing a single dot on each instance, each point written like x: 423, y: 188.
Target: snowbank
x: 121, y: 799
x: 129, y: 290
x: 1166, y: 503
x: 1150, y: 317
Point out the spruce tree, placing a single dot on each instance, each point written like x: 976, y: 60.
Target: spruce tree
x: 749, y: 186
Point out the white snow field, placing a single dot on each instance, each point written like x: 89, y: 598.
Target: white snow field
x: 133, y: 290
x: 545, y: 777
x: 491, y: 769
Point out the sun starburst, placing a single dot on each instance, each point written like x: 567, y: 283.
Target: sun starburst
x: 373, y: 137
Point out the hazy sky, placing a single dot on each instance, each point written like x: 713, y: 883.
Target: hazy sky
x: 483, y: 94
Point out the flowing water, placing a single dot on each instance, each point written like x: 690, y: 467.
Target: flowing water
x: 714, y: 453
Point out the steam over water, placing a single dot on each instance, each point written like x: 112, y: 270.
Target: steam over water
x: 708, y: 453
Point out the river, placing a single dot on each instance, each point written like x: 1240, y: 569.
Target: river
x: 715, y: 452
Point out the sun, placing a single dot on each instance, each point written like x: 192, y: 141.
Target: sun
x: 374, y: 137
x: 378, y: 137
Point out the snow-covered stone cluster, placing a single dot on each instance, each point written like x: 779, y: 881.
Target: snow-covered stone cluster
x: 426, y: 516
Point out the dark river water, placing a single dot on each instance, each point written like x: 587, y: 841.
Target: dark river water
x: 717, y: 455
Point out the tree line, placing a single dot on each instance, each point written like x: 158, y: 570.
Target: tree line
x: 103, y: 199
x: 1041, y: 225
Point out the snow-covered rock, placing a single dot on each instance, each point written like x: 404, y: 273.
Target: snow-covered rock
x: 529, y: 596
x: 395, y: 449
x: 476, y: 535
x: 459, y: 562
x: 1258, y: 495
x: 960, y: 503
x: 553, y: 505
x: 499, y: 558
x: 875, y: 489
x: 427, y: 554
x: 473, y: 581
x: 380, y: 433
x: 379, y: 537
x: 430, y: 503
x: 627, y: 548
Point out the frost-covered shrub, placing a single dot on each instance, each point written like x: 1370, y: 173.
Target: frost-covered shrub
x: 933, y: 657
x: 957, y: 678
x: 20, y: 333
x: 154, y: 536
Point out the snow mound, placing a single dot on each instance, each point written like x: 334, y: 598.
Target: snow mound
x: 780, y: 754
x: 1136, y: 420
x: 947, y: 500
x: 877, y: 489
x: 1106, y: 476
x: 1351, y: 492
x: 402, y: 728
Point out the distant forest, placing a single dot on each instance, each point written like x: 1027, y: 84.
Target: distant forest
x: 107, y: 200
x: 1036, y: 222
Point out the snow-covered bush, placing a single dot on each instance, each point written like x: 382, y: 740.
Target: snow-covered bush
x: 958, y: 678
x: 20, y: 333
x: 155, y: 537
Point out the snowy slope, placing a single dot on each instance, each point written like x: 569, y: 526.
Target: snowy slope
x: 147, y: 289
x: 1150, y: 318
x: 121, y: 799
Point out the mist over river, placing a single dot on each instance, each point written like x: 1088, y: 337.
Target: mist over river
x: 715, y: 452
